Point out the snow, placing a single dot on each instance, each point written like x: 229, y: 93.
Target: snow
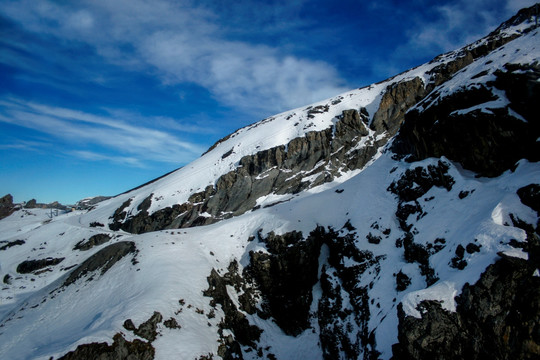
x: 444, y: 292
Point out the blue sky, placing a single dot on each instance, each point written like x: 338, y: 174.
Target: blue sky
x: 100, y: 96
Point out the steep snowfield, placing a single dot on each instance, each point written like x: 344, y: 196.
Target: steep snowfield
x: 173, y: 265
x: 41, y: 317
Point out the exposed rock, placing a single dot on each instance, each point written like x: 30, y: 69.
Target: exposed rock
x: 395, y: 102
x: 497, y: 318
x: 172, y: 324
x: 119, y: 215
x: 31, y: 204
x: 88, y: 203
x: 95, y: 240
x: 6, y: 206
x: 402, y: 281
x: 491, y: 142
x: 104, y: 259
x: 244, y: 333
x: 121, y: 349
x: 416, y: 182
x: 344, y: 322
x: 530, y: 196
x: 7, y: 279
x: 11, y: 243
x: 30, y: 266
x: 285, y: 276
x: 148, y: 329
x: 279, y: 170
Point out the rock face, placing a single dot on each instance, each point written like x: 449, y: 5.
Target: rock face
x: 121, y: 349
x: 496, y: 318
x: 94, y: 240
x: 281, y: 281
x: 319, y: 155
x: 285, y: 278
x: 103, y: 260
x: 397, y: 99
x: 492, y: 140
x: 6, y: 206
x: 30, y: 266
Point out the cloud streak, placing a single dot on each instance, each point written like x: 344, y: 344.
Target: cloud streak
x: 180, y: 42
x: 111, y: 133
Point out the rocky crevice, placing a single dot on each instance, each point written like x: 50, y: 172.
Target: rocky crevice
x: 278, y: 284
x: 413, y: 184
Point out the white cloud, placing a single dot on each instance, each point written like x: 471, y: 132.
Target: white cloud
x: 181, y: 42
x: 122, y: 160
x: 111, y: 133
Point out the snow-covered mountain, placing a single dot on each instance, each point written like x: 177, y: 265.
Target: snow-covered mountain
x: 396, y: 220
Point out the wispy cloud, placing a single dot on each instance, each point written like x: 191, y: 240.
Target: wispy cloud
x: 123, y: 160
x: 134, y: 143
x: 181, y: 42
x: 460, y: 22
x: 447, y: 26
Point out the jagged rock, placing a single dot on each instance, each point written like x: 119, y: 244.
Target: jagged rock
x: 337, y: 317
x: 95, y: 240
x: 261, y: 174
x: 530, y: 196
x: 496, y: 318
x: 416, y: 182
x: 6, y: 206
x: 29, y: 266
x: 104, y: 259
x: 172, y: 324
x: 148, y: 329
x: 244, y: 333
x: 285, y: 277
x: 402, y: 281
x: 12, y: 243
x: 121, y: 349
x: 30, y: 204
x: 395, y: 102
x: 490, y: 142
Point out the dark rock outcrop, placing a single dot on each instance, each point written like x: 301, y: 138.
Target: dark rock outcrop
x: 94, y: 240
x: 245, y: 334
x: 6, y: 206
x: 285, y: 276
x: 7, y: 245
x: 30, y: 266
x: 103, y: 260
x: 121, y: 349
x: 148, y: 329
x: 496, y: 318
x: 279, y: 170
x: 491, y: 141
x: 396, y: 100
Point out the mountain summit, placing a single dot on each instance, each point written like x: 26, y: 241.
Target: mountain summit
x: 399, y: 220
